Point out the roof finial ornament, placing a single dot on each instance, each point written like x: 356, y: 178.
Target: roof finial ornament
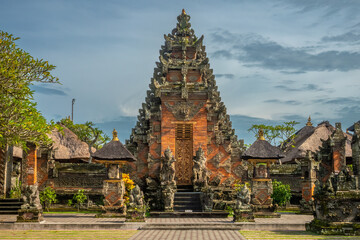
x: 115, y: 135
x: 183, y: 12
x: 261, y: 134
x: 309, y: 123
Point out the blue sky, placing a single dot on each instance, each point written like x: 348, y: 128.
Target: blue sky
x: 274, y: 60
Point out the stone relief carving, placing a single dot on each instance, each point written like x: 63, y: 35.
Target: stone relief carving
x: 184, y: 110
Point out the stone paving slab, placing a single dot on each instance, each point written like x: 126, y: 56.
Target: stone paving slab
x: 187, y: 235
x: 88, y: 221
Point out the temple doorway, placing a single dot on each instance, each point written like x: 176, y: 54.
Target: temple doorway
x: 184, y: 154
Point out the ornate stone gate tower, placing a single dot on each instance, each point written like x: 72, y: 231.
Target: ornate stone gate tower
x: 183, y: 111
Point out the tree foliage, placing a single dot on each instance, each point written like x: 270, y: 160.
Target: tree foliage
x: 48, y: 197
x: 20, y: 121
x: 276, y: 135
x: 79, y: 198
x: 281, y: 193
x: 87, y: 132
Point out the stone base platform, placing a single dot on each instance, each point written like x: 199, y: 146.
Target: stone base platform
x: 266, y: 215
x: 213, y: 214
x: 334, y: 228
x: 88, y: 221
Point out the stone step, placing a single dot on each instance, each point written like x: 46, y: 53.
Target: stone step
x: 10, y: 207
x: 8, y: 212
x: 187, y: 193
x: 190, y: 227
x: 10, y: 203
x: 176, y: 214
x: 186, y: 202
x: 186, y: 188
x: 10, y: 200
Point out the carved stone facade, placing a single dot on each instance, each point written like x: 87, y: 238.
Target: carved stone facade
x: 183, y: 108
x: 337, y: 193
x: 332, y: 154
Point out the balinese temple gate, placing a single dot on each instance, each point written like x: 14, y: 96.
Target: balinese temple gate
x: 183, y: 112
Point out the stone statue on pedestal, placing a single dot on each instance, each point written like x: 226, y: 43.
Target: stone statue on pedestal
x: 31, y: 210
x: 167, y: 172
x: 243, y: 210
x: 199, y: 170
x: 136, y: 210
x: 167, y: 180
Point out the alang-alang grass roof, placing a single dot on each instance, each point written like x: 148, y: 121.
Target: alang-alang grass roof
x: 262, y: 149
x: 114, y: 150
x: 310, y: 138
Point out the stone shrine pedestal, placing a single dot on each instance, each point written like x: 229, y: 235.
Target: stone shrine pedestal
x: 114, y: 203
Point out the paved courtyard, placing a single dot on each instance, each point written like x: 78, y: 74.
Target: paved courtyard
x: 187, y: 235
x: 161, y: 228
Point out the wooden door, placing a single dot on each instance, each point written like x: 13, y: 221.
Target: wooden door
x: 184, y: 154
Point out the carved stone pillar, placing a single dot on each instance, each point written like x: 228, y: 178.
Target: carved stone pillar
x: 337, y: 144
x: 31, y: 210
x: 308, y: 170
x: 355, y: 146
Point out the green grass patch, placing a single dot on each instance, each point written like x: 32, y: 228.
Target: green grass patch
x: 252, y: 235
x: 73, y: 234
x: 289, y: 211
x: 71, y: 212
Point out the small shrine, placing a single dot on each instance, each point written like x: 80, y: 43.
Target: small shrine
x: 261, y: 154
x: 113, y: 155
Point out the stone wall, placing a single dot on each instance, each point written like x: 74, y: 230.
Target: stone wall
x: 2, y: 172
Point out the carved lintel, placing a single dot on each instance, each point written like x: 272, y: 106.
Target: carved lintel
x: 184, y: 110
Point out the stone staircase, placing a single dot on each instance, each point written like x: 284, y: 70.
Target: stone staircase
x: 10, y: 206
x: 186, y: 200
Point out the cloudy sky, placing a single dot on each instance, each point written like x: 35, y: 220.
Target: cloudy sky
x: 274, y: 60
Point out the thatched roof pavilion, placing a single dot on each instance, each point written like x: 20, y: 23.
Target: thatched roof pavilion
x: 113, y: 152
x: 67, y: 145
x: 262, y: 149
x: 310, y: 138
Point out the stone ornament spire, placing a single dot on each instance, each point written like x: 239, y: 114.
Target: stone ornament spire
x: 115, y: 135
x: 309, y: 123
x: 261, y: 134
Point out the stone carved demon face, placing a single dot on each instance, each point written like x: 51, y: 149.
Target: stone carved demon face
x: 184, y: 112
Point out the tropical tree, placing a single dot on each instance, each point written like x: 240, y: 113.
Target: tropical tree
x: 20, y: 121
x: 281, y: 193
x: 276, y: 135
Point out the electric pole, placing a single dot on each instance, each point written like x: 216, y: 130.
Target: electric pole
x: 72, y: 109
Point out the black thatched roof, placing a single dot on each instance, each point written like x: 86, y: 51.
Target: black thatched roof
x: 352, y: 127
x: 291, y: 147
x: 261, y: 149
x: 114, y: 150
x: 310, y: 138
